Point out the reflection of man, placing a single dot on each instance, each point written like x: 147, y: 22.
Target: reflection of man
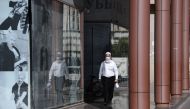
x: 19, y: 8
x: 58, y: 70
x: 20, y: 92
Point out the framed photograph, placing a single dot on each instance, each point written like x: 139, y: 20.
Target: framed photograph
x: 14, y: 15
x: 14, y: 50
x: 14, y: 90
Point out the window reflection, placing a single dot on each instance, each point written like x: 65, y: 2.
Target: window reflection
x: 71, y: 50
x: 120, y: 42
x: 58, y: 32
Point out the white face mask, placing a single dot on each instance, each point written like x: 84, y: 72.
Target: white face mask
x: 108, y: 58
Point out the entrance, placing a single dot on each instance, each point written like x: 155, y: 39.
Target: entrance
x: 98, y: 39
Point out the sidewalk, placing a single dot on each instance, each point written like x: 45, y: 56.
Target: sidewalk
x: 185, y: 104
x: 120, y: 101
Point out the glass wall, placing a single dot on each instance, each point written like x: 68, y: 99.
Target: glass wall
x: 120, y: 52
x: 56, y: 55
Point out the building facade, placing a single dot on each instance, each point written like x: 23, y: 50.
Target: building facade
x: 151, y: 50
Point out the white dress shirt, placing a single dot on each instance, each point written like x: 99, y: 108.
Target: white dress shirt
x: 58, y: 69
x: 108, y: 69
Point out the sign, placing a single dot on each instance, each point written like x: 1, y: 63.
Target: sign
x: 115, y: 11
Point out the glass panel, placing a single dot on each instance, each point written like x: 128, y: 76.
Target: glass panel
x: 56, y: 66
x: 120, y: 42
x: 71, y: 50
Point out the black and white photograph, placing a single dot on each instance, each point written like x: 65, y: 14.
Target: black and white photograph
x: 14, y: 50
x: 14, y: 90
x: 14, y: 15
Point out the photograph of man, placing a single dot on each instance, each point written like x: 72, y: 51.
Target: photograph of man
x: 11, y: 40
x: 108, y: 74
x: 13, y: 50
x: 9, y: 54
x: 18, y: 12
x: 20, y: 92
x: 59, y: 71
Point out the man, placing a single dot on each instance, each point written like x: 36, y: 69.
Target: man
x: 20, y: 92
x: 59, y: 71
x: 108, y: 74
x: 11, y: 41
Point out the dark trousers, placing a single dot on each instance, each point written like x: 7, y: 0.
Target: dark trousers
x: 10, y: 22
x: 108, y: 88
x: 59, y: 89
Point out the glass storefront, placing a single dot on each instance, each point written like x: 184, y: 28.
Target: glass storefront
x: 56, y: 55
x: 120, y: 52
x: 50, y: 59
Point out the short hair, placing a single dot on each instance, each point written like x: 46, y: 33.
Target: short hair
x: 108, y: 54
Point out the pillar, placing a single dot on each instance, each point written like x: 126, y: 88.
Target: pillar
x: 185, y: 67
x: 176, y: 48
x: 162, y: 55
x: 139, y: 86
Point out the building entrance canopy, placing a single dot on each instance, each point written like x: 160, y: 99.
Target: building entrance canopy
x: 113, y: 11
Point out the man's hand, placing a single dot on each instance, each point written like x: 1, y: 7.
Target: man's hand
x: 99, y: 80
x: 116, y: 81
x: 49, y: 83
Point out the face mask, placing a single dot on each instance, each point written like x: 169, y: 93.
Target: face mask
x: 58, y: 58
x: 108, y: 58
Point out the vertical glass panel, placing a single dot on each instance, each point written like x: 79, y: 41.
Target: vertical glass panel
x: 120, y: 42
x: 71, y: 50
x: 56, y: 68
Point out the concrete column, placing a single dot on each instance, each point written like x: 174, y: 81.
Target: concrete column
x: 185, y: 67
x: 139, y: 82
x: 162, y: 56
x: 176, y: 48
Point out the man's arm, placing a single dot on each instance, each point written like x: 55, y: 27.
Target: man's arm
x: 65, y: 70
x: 101, y: 70
x: 51, y: 71
x: 116, y: 72
x: 21, y: 98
